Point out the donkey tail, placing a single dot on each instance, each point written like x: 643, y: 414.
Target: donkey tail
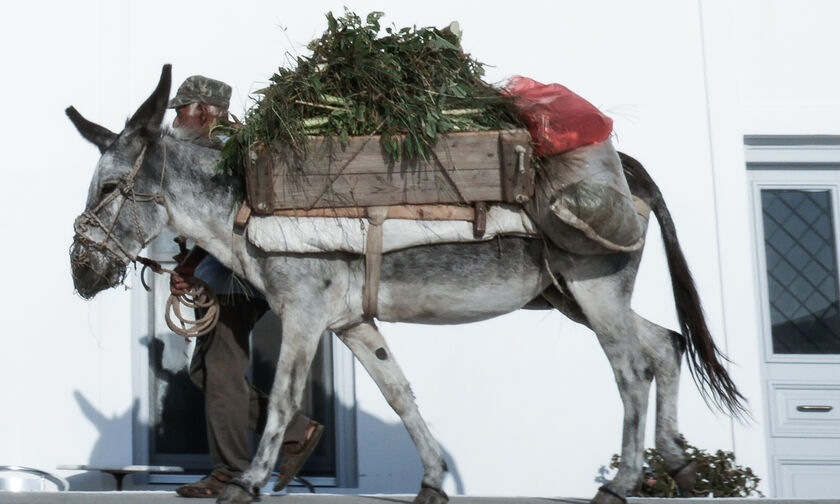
x: 705, y: 360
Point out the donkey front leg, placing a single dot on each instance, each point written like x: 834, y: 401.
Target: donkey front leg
x: 300, y: 342
x: 368, y: 345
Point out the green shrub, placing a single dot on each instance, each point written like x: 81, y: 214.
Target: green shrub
x: 409, y: 85
x: 718, y: 475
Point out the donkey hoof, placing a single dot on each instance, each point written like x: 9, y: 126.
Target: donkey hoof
x: 686, y: 476
x: 234, y: 494
x: 430, y: 495
x: 607, y: 496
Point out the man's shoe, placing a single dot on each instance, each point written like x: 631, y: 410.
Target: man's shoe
x: 295, y: 454
x: 207, y: 487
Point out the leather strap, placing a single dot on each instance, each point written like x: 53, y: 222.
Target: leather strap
x: 642, y: 208
x: 607, y: 490
x: 373, y: 260
x: 679, y: 469
x: 253, y: 492
x: 423, y: 484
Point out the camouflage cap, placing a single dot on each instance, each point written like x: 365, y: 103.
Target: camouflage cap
x: 201, y: 89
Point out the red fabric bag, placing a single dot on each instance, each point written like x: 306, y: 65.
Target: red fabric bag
x: 558, y: 119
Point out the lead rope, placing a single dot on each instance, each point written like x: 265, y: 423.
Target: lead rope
x: 199, y: 296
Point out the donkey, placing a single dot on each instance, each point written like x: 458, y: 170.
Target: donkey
x: 146, y: 180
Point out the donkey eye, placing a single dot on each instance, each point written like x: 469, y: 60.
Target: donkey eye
x: 109, y: 187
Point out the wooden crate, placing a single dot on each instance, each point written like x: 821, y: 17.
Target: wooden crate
x: 488, y: 166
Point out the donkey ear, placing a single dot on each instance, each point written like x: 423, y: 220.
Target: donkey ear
x: 148, y: 118
x: 94, y: 133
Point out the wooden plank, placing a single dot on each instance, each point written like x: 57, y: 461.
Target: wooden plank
x: 321, y: 191
x: 469, y: 151
x: 432, y: 212
x: 480, y: 222
x: 411, y: 212
x: 517, y: 172
x: 259, y: 179
x: 242, y: 216
x: 347, y: 212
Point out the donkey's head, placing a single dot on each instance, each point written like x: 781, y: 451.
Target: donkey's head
x: 124, y: 209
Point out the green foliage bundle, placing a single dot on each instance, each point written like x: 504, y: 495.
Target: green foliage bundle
x: 408, y: 85
x: 719, y: 475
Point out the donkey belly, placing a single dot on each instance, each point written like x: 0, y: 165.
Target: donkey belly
x: 460, y: 282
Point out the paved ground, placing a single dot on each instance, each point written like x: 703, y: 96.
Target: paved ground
x: 170, y: 498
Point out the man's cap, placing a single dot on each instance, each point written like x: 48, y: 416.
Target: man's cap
x: 201, y: 89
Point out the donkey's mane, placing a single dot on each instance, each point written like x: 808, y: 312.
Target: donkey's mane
x: 214, y: 172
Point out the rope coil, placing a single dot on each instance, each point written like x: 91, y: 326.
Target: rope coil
x: 199, y: 296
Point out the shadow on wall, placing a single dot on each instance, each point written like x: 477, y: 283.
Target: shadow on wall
x: 178, y: 412
x: 110, y: 448
x: 387, y: 459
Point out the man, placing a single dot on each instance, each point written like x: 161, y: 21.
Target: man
x: 220, y: 360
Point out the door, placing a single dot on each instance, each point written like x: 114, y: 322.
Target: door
x: 796, y: 196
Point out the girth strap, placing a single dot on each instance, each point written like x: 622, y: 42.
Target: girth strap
x: 373, y: 260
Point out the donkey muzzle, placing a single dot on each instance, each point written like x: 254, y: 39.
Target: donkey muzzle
x: 94, y: 268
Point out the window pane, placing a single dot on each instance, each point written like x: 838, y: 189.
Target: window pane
x: 801, y: 271
x: 178, y: 432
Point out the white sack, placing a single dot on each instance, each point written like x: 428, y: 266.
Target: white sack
x: 328, y: 234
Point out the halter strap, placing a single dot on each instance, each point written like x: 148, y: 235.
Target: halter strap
x: 126, y: 189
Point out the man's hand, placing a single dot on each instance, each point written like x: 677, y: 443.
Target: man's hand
x: 179, y: 285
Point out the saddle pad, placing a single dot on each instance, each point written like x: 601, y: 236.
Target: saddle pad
x: 306, y: 235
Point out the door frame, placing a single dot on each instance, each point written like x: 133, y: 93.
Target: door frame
x: 789, y: 162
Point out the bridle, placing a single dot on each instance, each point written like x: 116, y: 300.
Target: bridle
x: 198, y: 296
x: 89, y: 219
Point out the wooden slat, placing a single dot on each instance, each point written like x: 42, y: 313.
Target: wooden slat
x: 412, y: 212
x: 365, y: 154
x: 432, y: 212
x: 380, y: 189
x: 260, y: 181
x: 480, y: 222
x: 242, y: 216
x: 516, y: 185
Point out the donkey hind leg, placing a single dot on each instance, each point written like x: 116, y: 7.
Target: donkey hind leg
x: 368, y: 345
x: 300, y: 342
x: 604, y: 301
x: 665, y: 348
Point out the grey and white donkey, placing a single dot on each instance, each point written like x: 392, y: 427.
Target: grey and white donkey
x: 146, y: 180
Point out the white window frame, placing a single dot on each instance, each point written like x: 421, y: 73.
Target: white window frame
x: 806, y: 163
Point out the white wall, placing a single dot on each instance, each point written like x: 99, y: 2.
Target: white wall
x: 683, y: 80
x: 773, y: 76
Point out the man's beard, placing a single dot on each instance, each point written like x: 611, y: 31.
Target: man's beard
x: 188, y: 134
x: 195, y: 136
